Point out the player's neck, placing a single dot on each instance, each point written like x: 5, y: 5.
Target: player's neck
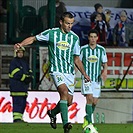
x: 93, y: 46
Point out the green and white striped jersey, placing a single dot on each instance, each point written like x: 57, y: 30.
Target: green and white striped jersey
x: 92, y: 60
x: 62, y: 48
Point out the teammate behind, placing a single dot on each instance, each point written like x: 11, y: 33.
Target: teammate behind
x: 93, y: 56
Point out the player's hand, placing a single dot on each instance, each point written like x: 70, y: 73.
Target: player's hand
x: 87, y: 78
x: 17, y: 46
x: 104, y: 76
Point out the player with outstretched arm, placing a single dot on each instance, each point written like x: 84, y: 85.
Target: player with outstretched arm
x: 64, y: 51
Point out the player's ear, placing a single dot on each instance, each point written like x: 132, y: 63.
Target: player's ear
x: 97, y: 38
x: 60, y: 22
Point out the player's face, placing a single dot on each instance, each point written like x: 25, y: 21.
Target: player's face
x: 20, y: 54
x: 67, y: 24
x: 93, y: 39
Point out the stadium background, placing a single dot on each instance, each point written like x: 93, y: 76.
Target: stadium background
x: 12, y: 30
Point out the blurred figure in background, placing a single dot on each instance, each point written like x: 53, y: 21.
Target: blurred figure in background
x: 44, y: 14
x: 98, y: 9
x: 122, y: 32
x: 20, y: 76
x: 109, y: 30
x: 108, y: 16
x: 60, y: 9
x: 3, y: 6
x: 100, y: 25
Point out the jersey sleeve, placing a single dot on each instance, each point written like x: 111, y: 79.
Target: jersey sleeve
x: 76, y: 48
x: 81, y: 54
x: 43, y: 36
x: 104, y: 57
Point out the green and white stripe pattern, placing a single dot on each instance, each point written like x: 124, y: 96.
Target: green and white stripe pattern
x: 62, y: 48
x: 92, y: 60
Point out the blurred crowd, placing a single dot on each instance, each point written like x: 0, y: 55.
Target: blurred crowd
x: 121, y: 35
x: 122, y: 32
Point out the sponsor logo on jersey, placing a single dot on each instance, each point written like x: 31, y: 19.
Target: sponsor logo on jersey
x: 63, y: 45
x: 92, y: 58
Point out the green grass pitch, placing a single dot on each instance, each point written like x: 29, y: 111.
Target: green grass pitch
x: 77, y: 128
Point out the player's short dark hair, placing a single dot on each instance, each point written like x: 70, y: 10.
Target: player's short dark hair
x: 66, y: 14
x: 93, y: 31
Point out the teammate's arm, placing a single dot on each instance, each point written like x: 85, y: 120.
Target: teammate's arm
x: 104, y: 72
x: 80, y: 67
x: 25, y: 42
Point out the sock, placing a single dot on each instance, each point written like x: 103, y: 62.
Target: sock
x: 64, y: 111
x: 88, y: 112
x: 56, y: 110
x: 93, y: 108
x: 92, y: 118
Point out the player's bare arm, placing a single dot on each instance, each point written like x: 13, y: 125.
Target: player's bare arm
x: 25, y: 42
x: 104, y: 72
x: 80, y: 67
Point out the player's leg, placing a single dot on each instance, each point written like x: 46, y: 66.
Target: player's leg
x: 68, y: 125
x: 63, y: 91
x: 95, y: 100
x: 96, y: 94
x: 88, y: 120
x: 52, y: 114
x: 69, y: 81
x: 56, y: 110
x: 58, y: 79
x: 62, y: 106
x: 86, y: 90
x: 88, y: 107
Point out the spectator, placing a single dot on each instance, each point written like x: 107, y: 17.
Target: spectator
x: 60, y: 9
x: 100, y: 25
x: 122, y: 32
x: 98, y: 9
x: 108, y: 16
x: 109, y: 31
x: 20, y: 76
